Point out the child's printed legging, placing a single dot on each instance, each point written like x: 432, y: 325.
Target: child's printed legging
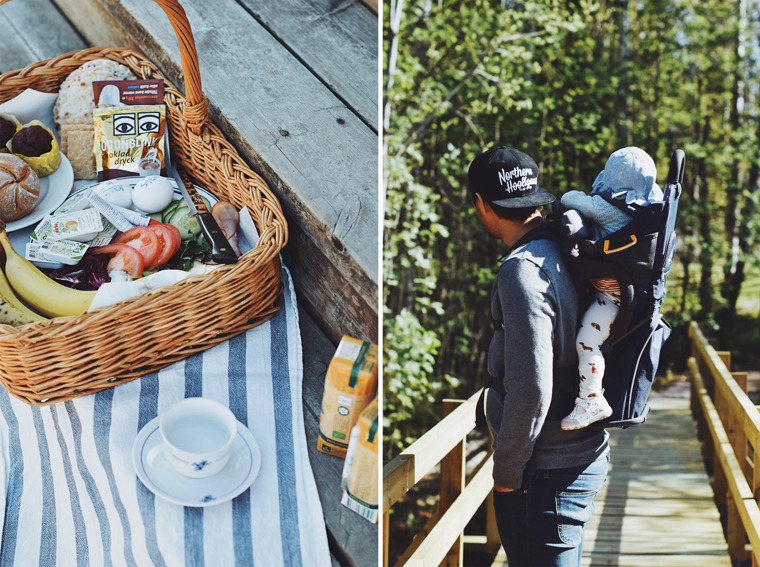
x: 595, y: 328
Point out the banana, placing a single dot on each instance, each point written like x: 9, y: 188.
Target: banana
x: 12, y: 311
x: 42, y: 294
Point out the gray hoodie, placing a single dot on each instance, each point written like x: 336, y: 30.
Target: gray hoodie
x: 533, y: 355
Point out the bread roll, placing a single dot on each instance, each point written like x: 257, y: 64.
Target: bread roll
x: 19, y: 188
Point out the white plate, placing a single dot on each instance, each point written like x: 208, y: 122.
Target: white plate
x: 168, y: 484
x: 54, y: 189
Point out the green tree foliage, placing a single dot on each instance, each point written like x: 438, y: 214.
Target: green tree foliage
x: 567, y: 81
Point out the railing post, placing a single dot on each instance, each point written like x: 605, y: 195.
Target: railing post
x: 493, y: 539
x: 386, y: 539
x: 740, y: 444
x: 452, y: 484
x: 720, y: 483
x: 735, y: 534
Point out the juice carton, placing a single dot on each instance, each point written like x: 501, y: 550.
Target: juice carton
x: 350, y: 385
x: 360, y: 472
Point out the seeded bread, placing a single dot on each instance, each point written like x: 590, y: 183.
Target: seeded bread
x: 19, y: 188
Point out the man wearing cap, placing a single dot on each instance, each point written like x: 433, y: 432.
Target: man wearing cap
x: 545, y: 479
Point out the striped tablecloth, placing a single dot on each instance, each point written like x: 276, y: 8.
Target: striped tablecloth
x: 71, y: 495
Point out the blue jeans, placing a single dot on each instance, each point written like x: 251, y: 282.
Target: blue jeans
x: 542, y: 523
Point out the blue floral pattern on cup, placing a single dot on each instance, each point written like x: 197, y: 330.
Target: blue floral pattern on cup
x: 199, y: 466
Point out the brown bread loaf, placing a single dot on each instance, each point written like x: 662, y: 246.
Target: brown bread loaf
x: 19, y: 188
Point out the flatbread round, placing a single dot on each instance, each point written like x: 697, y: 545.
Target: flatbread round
x: 75, y: 97
x: 73, y: 112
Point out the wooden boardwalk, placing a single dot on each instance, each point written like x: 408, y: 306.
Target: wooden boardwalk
x: 657, y: 507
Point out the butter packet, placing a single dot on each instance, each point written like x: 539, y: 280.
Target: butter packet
x: 43, y: 230
x: 104, y: 236
x: 64, y: 251
x: 129, y: 141
x: 80, y: 226
x: 37, y: 257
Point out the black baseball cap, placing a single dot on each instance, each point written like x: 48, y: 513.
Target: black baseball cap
x: 508, y: 178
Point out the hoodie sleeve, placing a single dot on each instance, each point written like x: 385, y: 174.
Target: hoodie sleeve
x: 528, y: 306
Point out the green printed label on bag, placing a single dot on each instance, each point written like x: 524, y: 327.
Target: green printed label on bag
x: 358, y: 363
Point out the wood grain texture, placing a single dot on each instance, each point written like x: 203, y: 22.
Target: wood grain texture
x: 353, y: 540
x: 336, y: 40
x: 31, y: 31
x: 319, y: 156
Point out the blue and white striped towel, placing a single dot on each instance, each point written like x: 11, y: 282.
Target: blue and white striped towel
x: 71, y: 495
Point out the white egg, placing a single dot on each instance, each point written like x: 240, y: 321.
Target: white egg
x: 115, y: 193
x: 152, y: 194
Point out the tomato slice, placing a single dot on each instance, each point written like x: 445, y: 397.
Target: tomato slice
x: 142, y: 239
x: 169, y: 241
x: 124, y: 258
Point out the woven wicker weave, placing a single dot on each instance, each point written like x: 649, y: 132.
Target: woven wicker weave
x: 67, y: 357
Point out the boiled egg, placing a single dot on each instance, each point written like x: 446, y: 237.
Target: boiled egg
x: 152, y: 194
x: 116, y: 193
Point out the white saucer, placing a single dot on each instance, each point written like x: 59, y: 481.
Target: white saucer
x: 238, y: 475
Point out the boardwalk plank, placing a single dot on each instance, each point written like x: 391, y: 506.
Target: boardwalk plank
x: 656, y: 508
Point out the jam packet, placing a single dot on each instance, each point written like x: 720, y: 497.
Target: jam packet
x: 129, y: 141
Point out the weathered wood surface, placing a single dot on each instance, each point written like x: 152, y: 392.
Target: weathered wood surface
x: 337, y: 41
x: 353, y: 540
x: 284, y: 108
x: 31, y: 30
x: 656, y: 507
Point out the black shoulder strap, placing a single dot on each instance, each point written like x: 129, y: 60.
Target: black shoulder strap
x: 546, y: 230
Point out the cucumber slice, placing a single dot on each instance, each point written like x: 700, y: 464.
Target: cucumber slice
x: 167, y: 212
x: 188, y: 226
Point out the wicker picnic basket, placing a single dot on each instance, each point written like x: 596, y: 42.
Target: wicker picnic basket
x: 68, y: 357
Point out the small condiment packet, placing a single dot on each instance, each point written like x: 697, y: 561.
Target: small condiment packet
x: 36, y: 257
x: 107, y: 210
x: 104, y: 236
x: 76, y: 202
x: 43, y: 230
x: 64, y: 251
x: 81, y: 226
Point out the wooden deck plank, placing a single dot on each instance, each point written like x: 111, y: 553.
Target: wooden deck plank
x: 332, y: 40
x: 33, y: 30
x: 656, y: 507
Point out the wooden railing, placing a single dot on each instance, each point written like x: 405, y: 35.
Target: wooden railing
x: 440, y: 542
x: 729, y: 425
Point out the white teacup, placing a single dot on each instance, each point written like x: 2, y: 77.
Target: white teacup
x: 197, y: 435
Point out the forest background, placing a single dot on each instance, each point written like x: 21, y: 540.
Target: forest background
x: 568, y: 82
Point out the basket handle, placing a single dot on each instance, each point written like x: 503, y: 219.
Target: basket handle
x: 195, y: 111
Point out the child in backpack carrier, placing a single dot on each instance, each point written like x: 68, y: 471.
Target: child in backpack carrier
x: 630, y: 176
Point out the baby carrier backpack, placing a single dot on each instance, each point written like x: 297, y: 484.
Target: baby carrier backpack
x: 639, y: 257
